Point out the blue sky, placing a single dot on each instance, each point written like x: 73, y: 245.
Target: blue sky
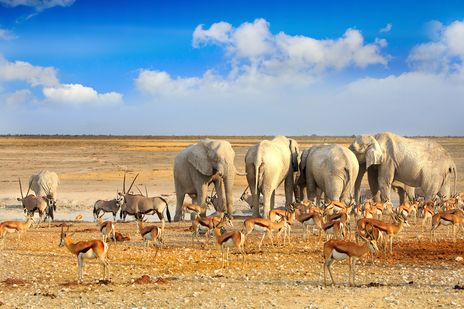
x: 233, y: 68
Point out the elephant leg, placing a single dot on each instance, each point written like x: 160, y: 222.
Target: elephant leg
x: 179, y: 203
x: 311, y: 188
x: 267, y: 203
x: 273, y: 200
x: 373, y: 179
x: 289, y: 184
x: 357, y: 184
x: 202, y: 194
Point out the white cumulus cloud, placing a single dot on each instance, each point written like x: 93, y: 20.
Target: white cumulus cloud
x: 24, y: 71
x: 76, y: 94
x: 445, y: 53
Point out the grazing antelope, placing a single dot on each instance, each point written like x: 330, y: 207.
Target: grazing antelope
x: 427, y: 214
x: 381, y: 209
x: 454, y: 219
x: 277, y: 215
x: 206, y: 225
x: 107, y: 229
x: 344, y: 218
x: 90, y: 249
x: 313, y: 219
x: 43, y: 204
x: 408, y: 210
x: 390, y: 229
x: 230, y: 239
x: 15, y: 227
x: 150, y: 234
x: 335, y: 228
x: 194, y: 209
x: 339, y: 250
x: 265, y: 226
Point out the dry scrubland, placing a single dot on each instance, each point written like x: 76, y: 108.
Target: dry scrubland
x: 36, y: 272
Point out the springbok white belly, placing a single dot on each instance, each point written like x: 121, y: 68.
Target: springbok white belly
x: 148, y: 236
x: 228, y: 243
x: 203, y: 229
x: 309, y: 222
x: 445, y: 222
x: 10, y: 230
x: 260, y: 228
x: 339, y: 255
x: 90, y: 254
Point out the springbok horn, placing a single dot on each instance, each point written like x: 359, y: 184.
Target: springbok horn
x: 124, y: 184
x: 21, y: 188
x: 133, y: 183
x: 146, y: 190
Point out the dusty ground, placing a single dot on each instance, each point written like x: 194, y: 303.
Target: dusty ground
x: 37, y: 273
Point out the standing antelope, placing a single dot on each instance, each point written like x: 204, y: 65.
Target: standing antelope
x: 15, y: 227
x: 150, y: 234
x: 230, y: 239
x: 112, y: 206
x: 265, y: 226
x: 313, y: 218
x: 276, y: 215
x: 427, y: 214
x: 107, y: 229
x: 454, y: 219
x: 335, y: 228
x: 90, y: 249
x: 339, y: 250
x: 138, y: 205
x: 390, y: 229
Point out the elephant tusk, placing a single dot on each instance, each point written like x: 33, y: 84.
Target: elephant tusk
x: 240, y: 174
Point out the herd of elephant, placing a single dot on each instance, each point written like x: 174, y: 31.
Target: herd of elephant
x: 336, y: 171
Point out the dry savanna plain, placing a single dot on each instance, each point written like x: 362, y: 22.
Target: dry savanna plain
x: 36, y: 273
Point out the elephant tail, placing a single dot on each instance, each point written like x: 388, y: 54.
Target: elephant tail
x: 258, y: 171
x: 455, y: 172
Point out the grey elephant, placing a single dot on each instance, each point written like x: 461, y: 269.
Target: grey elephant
x: 330, y: 169
x: 268, y: 164
x: 414, y: 162
x: 208, y: 161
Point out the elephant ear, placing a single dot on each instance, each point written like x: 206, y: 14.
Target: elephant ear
x: 374, y: 154
x: 199, y: 159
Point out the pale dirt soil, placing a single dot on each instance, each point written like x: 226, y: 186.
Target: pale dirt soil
x: 37, y: 273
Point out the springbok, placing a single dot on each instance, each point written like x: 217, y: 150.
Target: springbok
x: 107, y: 229
x: 150, y: 234
x: 230, y: 239
x: 339, y: 250
x: 15, y: 227
x: 265, y: 226
x: 90, y: 249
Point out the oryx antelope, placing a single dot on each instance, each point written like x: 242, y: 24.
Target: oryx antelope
x: 90, y: 249
x: 103, y: 207
x: 43, y: 204
x: 138, y: 205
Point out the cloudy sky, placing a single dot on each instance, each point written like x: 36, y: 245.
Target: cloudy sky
x: 231, y: 68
